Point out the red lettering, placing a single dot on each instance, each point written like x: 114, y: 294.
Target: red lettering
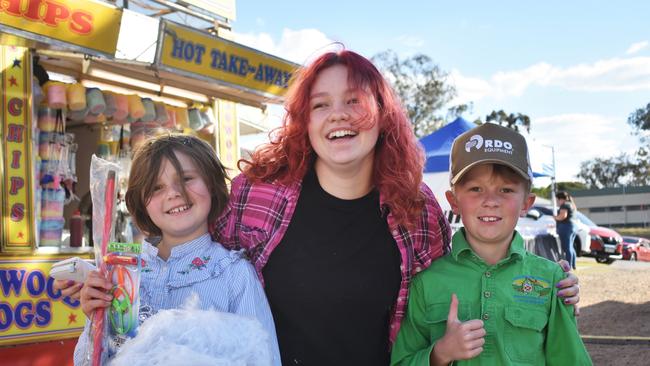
x: 55, y: 13
x: 15, y: 106
x: 81, y: 22
x: 17, y: 183
x: 33, y: 8
x: 15, y: 133
x: 49, y: 12
x: 15, y: 161
x: 17, y: 212
x: 13, y: 7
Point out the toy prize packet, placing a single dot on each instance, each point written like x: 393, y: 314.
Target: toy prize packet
x: 123, y: 265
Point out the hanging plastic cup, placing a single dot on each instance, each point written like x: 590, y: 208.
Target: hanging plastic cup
x: 56, y: 95
x: 182, y: 117
x: 95, y: 101
x: 109, y: 99
x: 149, y: 110
x: 76, y: 97
x: 161, y: 113
x: 136, y: 109
x: 46, y: 118
x: 121, y: 107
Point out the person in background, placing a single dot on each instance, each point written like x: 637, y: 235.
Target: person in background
x: 565, y: 227
x: 489, y: 302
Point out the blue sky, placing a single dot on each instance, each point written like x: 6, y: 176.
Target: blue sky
x: 577, y: 68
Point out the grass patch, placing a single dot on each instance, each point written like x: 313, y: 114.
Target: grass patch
x: 643, y: 232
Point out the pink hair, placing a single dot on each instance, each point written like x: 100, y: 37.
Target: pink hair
x: 398, y: 161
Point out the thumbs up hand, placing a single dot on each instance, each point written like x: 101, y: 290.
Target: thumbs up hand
x: 462, y: 340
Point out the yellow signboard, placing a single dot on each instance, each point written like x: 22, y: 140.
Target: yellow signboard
x: 204, y: 56
x: 85, y: 23
x: 15, y: 68
x: 30, y: 309
x: 227, y: 133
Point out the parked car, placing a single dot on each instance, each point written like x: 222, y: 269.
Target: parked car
x: 582, y: 242
x: 536, y: 223
x: 606, y: 244
x: 635, y: 248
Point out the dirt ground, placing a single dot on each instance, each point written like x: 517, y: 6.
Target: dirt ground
x: 615, y: 304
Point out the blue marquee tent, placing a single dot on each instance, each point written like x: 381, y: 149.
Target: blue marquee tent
x: 437, y: 145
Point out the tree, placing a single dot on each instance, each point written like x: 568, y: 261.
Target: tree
x: 623, y: 169
x: 421, y: 85
x: 605, y: 172
x: 545, y: 192
x: 640, y: 120
x: 513, y: 121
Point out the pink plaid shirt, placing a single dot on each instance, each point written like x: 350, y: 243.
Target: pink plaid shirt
x: 257, y: 217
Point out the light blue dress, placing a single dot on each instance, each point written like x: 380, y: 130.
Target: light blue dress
x: 224, y: 281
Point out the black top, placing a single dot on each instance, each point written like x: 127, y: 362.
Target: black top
x: 332, y: 281
x: 569, y: 213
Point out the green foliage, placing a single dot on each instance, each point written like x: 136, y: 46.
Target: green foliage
x: 421, y: 85
x: 545, y: 192
x: 623, y: 169
x: 640, y: 120
x: 512, y: 120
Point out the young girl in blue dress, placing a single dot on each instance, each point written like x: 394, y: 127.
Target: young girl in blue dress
x: 176, y: 186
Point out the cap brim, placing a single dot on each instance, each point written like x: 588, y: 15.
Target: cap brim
x: 462, y: 172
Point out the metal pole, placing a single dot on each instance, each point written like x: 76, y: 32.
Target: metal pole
x: 553, y: 181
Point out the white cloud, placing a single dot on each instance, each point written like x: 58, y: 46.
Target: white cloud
x: 613, y: 75
x: 636, y: 47
x: 298, y: 46
x: 579, y: 137
x: 410, y: 41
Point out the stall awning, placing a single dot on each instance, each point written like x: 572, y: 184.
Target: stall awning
x: 147, y: 78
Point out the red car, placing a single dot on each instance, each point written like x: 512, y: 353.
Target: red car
x: 635, y: 248
x: 606, y: 244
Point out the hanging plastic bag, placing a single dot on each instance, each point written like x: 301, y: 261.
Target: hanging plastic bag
x: 103, y: 182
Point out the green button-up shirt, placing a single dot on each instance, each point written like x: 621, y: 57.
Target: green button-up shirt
x: 526, y: 322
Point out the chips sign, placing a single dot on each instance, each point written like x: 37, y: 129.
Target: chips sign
x: 16, y: 231
x: 205, y: 56
x: 88, y: 24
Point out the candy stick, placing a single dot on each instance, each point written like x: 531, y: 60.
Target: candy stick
x: 98, y: 316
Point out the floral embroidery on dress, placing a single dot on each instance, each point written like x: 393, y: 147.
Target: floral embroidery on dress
x: 197, y: 263
x: 144, y: 269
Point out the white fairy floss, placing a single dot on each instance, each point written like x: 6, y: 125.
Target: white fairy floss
x: 190, y: 336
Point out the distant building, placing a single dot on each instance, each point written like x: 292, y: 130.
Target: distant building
x: 615, y: 207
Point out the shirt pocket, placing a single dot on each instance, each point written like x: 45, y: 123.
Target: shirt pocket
x: 251, y: 237
x: 524, y: 334
x: 436, y: 317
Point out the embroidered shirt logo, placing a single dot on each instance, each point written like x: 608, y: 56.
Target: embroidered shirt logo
x: 531, y: 289
x: 196, y: 264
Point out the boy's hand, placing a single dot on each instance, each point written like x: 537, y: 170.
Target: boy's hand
x: 94, y: 293
x: 68, y: 288
x: 461, y: 341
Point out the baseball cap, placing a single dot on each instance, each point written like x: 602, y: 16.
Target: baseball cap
x: 489, y: 143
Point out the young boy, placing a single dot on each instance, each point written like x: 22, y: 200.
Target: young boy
x: 489, y: 302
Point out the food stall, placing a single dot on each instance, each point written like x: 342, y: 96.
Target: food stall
x: 194, y: 84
